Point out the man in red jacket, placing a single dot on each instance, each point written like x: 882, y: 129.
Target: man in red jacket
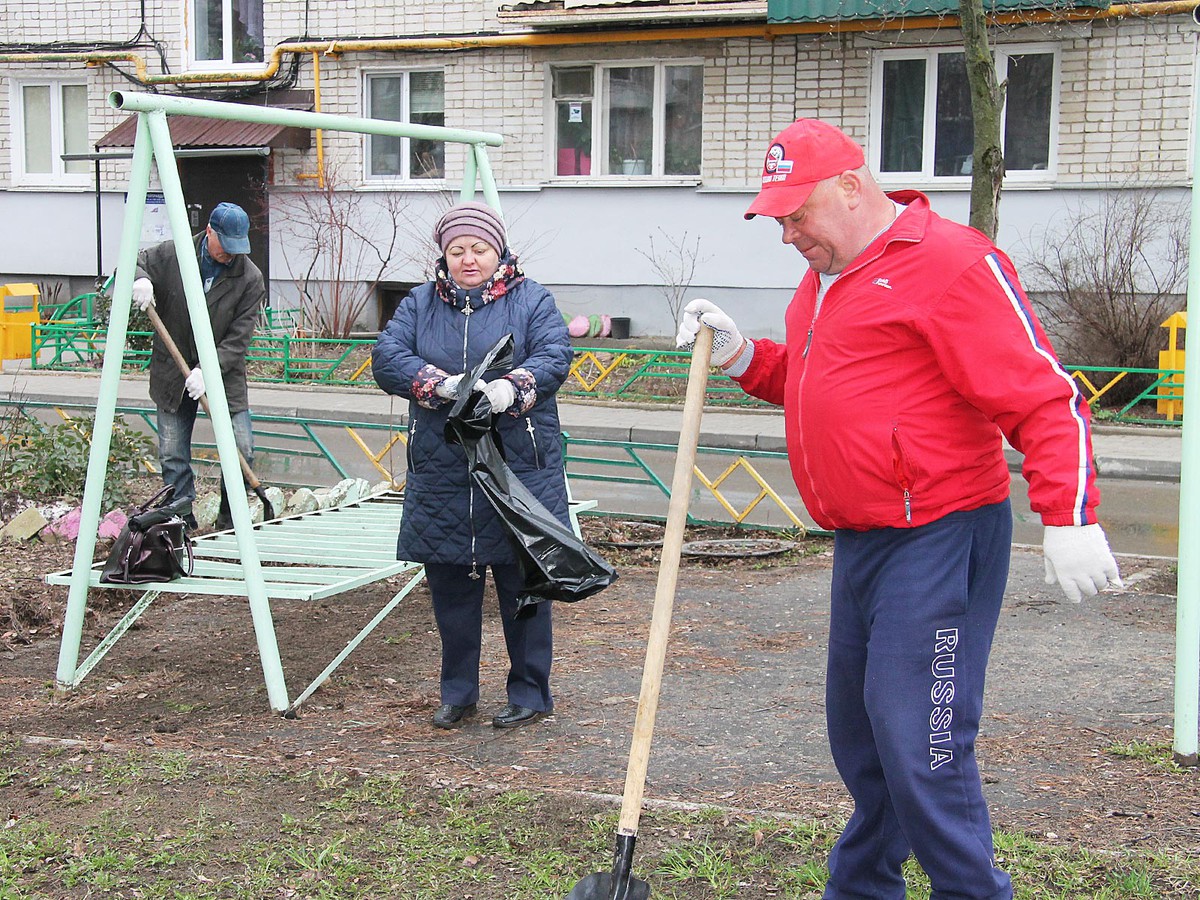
x: 911, y: 352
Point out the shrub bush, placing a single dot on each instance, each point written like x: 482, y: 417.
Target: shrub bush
x: 43, y: 462
x: 1106, y: 278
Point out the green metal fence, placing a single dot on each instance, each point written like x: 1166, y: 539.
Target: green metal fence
x: 732, y: 488
x: 277, y: 354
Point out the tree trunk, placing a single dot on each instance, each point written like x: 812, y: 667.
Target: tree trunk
x: 987, y: 103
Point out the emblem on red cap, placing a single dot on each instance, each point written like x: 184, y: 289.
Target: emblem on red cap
x: 776, y: 167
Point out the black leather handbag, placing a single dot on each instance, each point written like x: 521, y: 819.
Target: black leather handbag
x: 153, y: 546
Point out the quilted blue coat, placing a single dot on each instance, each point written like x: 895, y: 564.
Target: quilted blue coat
x: 446, y: 518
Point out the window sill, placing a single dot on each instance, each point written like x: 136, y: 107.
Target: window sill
x: 1042, y: 181
x: 624, y: 181
x: 74, y: 186
x: 406, y: 184
x: 217, y: 65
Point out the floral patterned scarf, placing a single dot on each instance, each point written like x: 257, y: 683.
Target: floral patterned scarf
x: 507, y: 275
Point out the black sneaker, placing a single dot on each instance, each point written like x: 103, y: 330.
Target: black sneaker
x: 190, y: 521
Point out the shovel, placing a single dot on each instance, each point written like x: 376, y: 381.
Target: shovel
x: 247, y: 473
x: 619, y: 884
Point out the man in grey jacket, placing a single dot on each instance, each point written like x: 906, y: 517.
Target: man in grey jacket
x: 235, y: 293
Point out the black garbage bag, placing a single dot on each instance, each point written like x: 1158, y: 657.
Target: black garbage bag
x: 555, y: 564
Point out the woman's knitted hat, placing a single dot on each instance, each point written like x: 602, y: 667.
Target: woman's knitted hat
x: 474, y: 219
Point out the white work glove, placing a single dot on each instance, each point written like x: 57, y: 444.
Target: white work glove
x: 1078, y: 558
x: 727, y: 340
x: 448, y: 388
x: 501, y: 394
x: 194, y: 384
x: 143, y: 294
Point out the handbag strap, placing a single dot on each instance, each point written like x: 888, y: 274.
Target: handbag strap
x: 162, y: 498
x: 187, y: 548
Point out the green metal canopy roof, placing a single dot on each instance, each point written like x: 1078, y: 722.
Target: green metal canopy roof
x: 779, y: 11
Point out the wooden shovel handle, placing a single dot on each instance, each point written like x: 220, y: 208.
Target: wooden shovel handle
x: 161, y: 330
x: 668, y: 574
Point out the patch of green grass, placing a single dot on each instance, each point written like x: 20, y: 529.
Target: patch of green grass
x: 118, y: 770
x: 1160, y: 756
x: 701, y: 862
x: 173, y: 765
x: 184, y: 708
x: 9, y: 745
x: 178, y: 827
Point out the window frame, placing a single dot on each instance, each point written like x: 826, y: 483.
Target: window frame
x: 600, y: 122
x: 405, y: 177
x: 929, y: 55
x: 194, y: 64
x: 59, y: 176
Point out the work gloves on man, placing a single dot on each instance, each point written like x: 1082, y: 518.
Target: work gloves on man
x: 727, y: 340
x: 500, y: 393
x: 194, y: 384
x: 1078, y: 558
x: 143, y: 294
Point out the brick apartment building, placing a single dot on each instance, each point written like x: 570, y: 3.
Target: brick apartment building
x: 633, y: 129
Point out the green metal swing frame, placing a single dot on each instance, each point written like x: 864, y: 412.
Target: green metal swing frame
x: 312, y: 555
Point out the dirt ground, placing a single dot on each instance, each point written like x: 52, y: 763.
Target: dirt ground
x: 740, y: 722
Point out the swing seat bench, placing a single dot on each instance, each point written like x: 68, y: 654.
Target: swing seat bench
x: 306, y: 556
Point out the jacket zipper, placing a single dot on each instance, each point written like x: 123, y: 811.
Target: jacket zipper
x: 800, y: 392
x: 470, y: 488
x: 537, y: 456
x: 901, y: 478
x: 800, y: 387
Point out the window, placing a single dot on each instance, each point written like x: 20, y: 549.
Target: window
x: 51, y: 119
x: 923, y: 121
x: 227, y: 32
x: 415, y: 97
x: 625, y: 119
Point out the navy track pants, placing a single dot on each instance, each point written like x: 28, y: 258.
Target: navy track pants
x: 458, y: 610
x: 911, y: 623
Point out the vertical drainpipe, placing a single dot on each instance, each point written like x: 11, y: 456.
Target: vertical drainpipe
x: 99, y: 225
x: 320, y: 175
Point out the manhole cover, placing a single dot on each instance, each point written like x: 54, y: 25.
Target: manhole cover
x: 737, y: 547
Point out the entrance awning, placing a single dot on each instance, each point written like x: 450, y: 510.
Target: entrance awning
x: 194, y: 133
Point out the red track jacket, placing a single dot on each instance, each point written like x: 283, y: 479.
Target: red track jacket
x: 896, y: 392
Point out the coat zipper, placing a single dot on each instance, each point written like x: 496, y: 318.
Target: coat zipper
x: 537, y: 456
x: 470, y: 488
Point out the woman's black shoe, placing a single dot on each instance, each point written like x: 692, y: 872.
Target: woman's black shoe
x: 513, y: 716
x: 449, y: 716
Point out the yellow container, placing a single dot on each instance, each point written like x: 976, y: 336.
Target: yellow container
x: 1170, y: 392
x: 18, y: 314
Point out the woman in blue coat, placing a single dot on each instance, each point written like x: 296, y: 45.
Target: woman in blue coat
x: 441, y: 330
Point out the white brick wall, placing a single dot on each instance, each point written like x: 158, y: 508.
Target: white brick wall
x: 747, y: 94
x: 1126, y: 83
x: 1126, y: 101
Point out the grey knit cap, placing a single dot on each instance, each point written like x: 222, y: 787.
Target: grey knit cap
x: 474, y: 219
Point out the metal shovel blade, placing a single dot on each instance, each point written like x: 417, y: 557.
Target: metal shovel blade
x: 600, y: 886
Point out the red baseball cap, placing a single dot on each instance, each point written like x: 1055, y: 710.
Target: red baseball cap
x: 804, y: 153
